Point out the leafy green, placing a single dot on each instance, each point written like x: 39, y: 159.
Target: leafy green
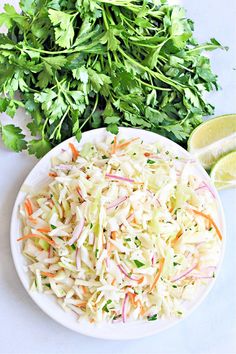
x: 86, y: 64
x: 13, y: 138
x: 152, y: 318
x: 138, y: 263
x: 105, y: 307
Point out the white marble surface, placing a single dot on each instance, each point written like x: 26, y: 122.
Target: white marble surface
x: 212, y: 327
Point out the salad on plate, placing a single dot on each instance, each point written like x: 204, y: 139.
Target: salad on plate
x: 122, y: 231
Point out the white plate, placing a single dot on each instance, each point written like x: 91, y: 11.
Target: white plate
x: 48, y: 303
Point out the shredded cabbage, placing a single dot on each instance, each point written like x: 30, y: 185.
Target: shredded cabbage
x: 126, y: 242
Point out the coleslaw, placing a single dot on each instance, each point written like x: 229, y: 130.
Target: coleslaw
x: 123, y: 230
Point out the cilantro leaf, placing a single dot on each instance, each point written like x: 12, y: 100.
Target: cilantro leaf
x: 63, y: 27
x: 152, y: 318
x: 13, y: 138
x: 105, y: 307
x: 39, y: 147
x: 138, y: 263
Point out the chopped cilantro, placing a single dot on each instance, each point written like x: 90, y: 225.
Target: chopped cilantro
x: 152, y: 318
x: 138, y: 263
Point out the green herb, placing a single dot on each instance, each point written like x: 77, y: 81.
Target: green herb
x: 86, y: 64
x: 73, y: 247
x: 150, y: 161
x: 53, y: 227
x: 104, y: 157
x: 138, y: 263
x: 91, y: 225
x: 179, y: 312
x: 127, y: 239
x: 105, y: 308
x: 137, y: 242
x: 152, y: 318
x: 174, y: 286
x: 175, y: 264
x: 96, y: 253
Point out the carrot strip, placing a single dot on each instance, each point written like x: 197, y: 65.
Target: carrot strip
x: 111, y: 248
x: 113, y: 282
x: 114, y: 146
x: 51, y: 242
x: 82, y: 304
x: 32, y: 220
x: 50, y: 275
x: 126, y: 143
x: 75, y: 152
x: 28, y: 207
x: 52, y: 174
x: 178, y: 235
x: 44, y: 230
x: 140, y: 280
x: 161, y: 263
x: 209, y: 218
x: 132, y: 298
x: 84, y: 289
x: 113, y: 235
x: 147, y: 154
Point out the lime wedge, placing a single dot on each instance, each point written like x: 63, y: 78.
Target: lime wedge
x: 223, y: 173
x: 212, y: 139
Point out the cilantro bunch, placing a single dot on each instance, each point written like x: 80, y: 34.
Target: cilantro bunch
x: 81, y: 64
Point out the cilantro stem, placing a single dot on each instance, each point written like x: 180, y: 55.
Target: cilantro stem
x: 204, y: 47
x: 105, y: 19
x: 161, y: 77
x: 152, y: 86
x: 93, y: 110
x: 58, y: 127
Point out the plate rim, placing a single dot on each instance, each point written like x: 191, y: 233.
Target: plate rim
x: 153, y: 330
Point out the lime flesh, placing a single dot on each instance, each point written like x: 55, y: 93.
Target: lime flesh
x: 213, y: 138
x: 223, y: 173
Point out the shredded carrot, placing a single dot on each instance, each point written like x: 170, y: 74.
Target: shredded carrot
x: 209, y: 218
x: 140, y: 280
x: 111, y: 248
x: 75, y: 152
x: 113, y: 235
x: 137, y: 303
x: 142, y: 308
x: 161, y: 265
x: 82, y: 304
x: 113, y: 282
x: 132, y: 298
x: 171, y: 209
x: 84, y: 289
x: 126, y: 143
x: 44, y: 230
x: 178, y: 235
x: 32, y: 220
x: 50, y: 275
x: 52, y: 174
x: 91, y: 320
x: 114, y: 145
x: 51, y: 242
x: 28, y: 207
x: 147, y: 154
